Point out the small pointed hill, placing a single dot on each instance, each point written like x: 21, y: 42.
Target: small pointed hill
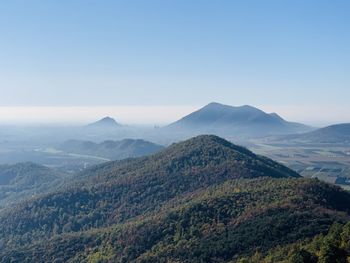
x: 244, y: 121
x: 200, y: 200
x: 104, y: 123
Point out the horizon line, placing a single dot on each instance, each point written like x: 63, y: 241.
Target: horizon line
x: 153, y: 114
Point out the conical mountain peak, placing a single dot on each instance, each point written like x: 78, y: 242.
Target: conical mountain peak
x: 105, y: 122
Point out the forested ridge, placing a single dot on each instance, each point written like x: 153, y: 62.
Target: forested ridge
x: 201, y: 200
x: 333, y: 246
x: 24, y: 180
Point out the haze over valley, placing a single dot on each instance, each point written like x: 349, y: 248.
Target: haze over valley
x: 313, y: 152
x: 175, y: 131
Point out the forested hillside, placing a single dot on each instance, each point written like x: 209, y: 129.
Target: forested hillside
x: 333, y: 246
x: 201, y: 200
x: 24, y: 180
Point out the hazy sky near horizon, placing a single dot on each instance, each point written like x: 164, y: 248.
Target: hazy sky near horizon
x: 289, y: 56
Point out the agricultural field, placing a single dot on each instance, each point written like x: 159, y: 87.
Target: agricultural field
x: 327, y: 162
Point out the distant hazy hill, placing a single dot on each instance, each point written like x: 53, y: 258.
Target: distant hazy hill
x: 24, y: 180
x: 235, y: 121
x: 339, y: 133
x: 201, y: 200
x: 113, y: 150
x: 105, y: 123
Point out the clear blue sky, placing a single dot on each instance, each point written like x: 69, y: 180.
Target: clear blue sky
x: 171, y: 52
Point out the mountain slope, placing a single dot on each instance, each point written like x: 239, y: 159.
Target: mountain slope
x: 201, y: 200
x: 114, y: 150
x: 24, y: 180
x: 217, y: 224
x: 339, y: 133
x: 331, y: 247
x: 228, y: 120
x: 116, y: 191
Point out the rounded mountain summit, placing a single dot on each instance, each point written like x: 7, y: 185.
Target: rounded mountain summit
x: 247, y: 121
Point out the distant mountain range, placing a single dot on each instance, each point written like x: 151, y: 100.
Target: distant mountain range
x: 105, y: 123
x: 113, y: 150
x: 225, y: 120
x: 231, y: 122
x: 200, y: 200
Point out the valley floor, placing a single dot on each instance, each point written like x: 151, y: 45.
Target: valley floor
x: 327, y: 162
